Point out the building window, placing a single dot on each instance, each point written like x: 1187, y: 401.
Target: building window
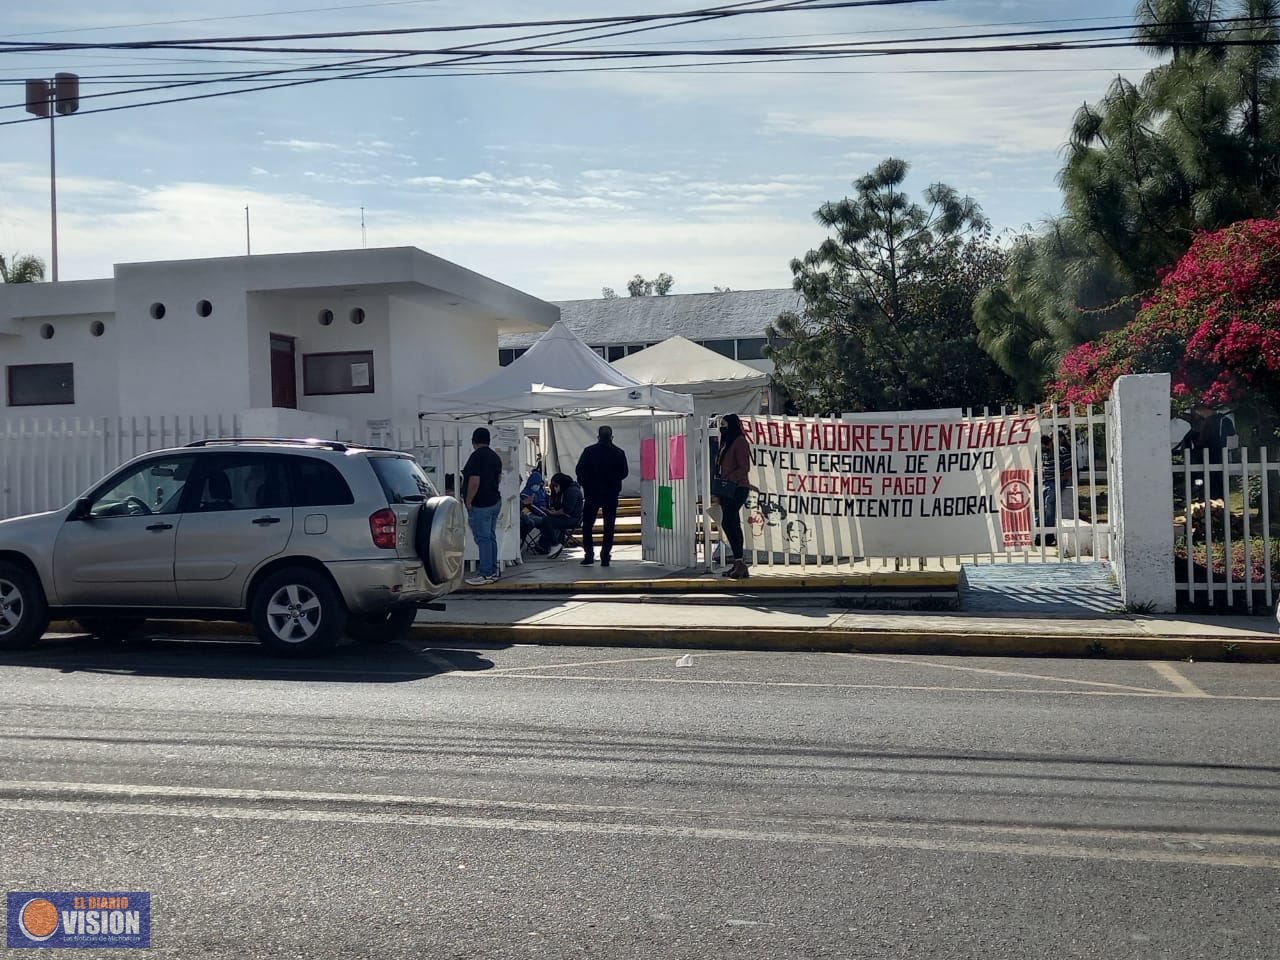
x: 722, y: 347
x: 615, y: 353
x: 204, y: 308
x: 41, y: 384
x: 635, y: 348
x: 507, y: 357
x: 752, y: 348
x: 330, y: 374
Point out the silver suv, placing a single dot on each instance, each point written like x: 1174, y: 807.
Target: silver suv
x: 308, y: 540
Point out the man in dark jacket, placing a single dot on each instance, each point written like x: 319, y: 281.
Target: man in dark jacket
x: 601, y: 470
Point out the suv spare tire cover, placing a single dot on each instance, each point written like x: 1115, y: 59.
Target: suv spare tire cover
x: 441, y: 537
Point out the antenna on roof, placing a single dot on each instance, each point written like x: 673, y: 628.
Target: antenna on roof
x: 364, y: 237
x: 248, y: 251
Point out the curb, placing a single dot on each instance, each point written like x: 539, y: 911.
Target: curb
x: 936, y: 643
x: 907, y: 579
x: 1134, y: 647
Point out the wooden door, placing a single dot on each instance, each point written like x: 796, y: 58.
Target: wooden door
x: 284, y: 372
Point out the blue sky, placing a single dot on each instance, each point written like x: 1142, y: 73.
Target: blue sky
x: 555, y: 184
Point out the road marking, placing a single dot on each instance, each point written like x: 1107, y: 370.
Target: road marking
x: 1175, y: 676
x: 656, y: 831
x: 1123, y: 692
x: 177, y: 791
x: 601, y: 663
x: 996, y: 673
x: 345, y: 675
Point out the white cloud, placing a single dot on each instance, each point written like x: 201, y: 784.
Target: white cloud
x: 561, y: 251
x: 302, y: 146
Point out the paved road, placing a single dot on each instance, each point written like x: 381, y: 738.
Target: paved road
x: 573, y: 802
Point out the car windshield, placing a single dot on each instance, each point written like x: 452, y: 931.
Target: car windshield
x: 402, y: 480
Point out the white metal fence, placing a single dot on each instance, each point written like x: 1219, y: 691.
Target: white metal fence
x: 46, y: 463
x: 1080, y: 531
x: 1227, y: 529
x: 668, y: 499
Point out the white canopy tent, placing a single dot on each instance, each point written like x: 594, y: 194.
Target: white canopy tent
x: 559, y: 377
x: 718, y: 385
x: 560, y: 380
x: 710, y: 378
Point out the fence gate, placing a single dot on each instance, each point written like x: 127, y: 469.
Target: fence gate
x: 45, y: 463
x: 669, y: 488
x: 1226, y: 529
x: 1079, y: 531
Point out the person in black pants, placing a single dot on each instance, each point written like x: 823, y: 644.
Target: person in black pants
x: 601, y: 470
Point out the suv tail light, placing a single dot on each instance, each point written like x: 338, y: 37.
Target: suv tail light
x: 382, y: 525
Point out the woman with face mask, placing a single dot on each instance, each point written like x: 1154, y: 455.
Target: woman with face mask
x: 732, y: 468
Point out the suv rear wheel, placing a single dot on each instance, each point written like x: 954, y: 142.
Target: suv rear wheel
x: 24, y: 614
x: 390, y: 627
x: 298, y: 612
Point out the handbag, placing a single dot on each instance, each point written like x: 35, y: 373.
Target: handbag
x: 724, y: 489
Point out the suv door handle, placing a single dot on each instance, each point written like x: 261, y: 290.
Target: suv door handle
x: 160, y: 526
x: 266, y: 521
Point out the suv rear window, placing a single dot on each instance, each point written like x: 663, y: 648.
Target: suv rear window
x: 402, y: 479
x: 318, y: 484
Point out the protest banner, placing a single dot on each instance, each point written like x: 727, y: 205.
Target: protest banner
x: 831, y: 489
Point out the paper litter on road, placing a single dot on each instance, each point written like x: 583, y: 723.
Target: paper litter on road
x: 685, y: 661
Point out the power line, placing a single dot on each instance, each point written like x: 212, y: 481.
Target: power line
x: 239, y: 16
x: 771, y: 54
x: 698, y: 16
x: 209, y: 42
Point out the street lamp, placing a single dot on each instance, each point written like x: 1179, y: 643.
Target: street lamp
x: 48, y: 98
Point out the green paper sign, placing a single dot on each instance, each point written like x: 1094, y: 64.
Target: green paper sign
x: 666, y: 509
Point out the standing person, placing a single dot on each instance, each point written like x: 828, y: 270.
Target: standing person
x: 564, y: 513
x: 1211, y: 432
x: 1055, y: 476
x: 480, y: 478
x: 601, y: 470
x: 733, y: 466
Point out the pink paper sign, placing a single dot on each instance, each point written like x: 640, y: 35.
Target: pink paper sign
x: 649, y: 459
x: 675, y: 457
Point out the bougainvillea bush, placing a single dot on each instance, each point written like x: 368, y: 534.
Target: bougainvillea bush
x: 1214, y: 324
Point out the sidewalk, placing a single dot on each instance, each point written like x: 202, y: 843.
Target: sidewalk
x: 762, y: 622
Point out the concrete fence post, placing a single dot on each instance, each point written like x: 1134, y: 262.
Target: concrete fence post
x: 1141, y: 497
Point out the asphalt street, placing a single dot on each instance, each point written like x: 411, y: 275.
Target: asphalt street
x: 575, y: 802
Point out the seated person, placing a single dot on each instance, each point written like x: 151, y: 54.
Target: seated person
x: 534, y: 493
x: 533, y: 502
x: 564, y: 513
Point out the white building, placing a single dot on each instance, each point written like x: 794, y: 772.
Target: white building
x: 350, y: 336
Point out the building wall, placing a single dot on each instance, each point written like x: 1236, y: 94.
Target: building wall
x: 299, y: 317
x: 94, y: 360
x: 181, y: 363
x: 435, y: 352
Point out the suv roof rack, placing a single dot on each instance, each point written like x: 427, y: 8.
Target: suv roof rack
x: 336, y: 445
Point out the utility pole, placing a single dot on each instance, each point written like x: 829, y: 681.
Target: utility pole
x: 248, y: 250
x: 48, y: 98
x: 364, y: 237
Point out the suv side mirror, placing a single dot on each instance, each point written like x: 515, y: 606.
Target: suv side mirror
x: 81, y: 510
